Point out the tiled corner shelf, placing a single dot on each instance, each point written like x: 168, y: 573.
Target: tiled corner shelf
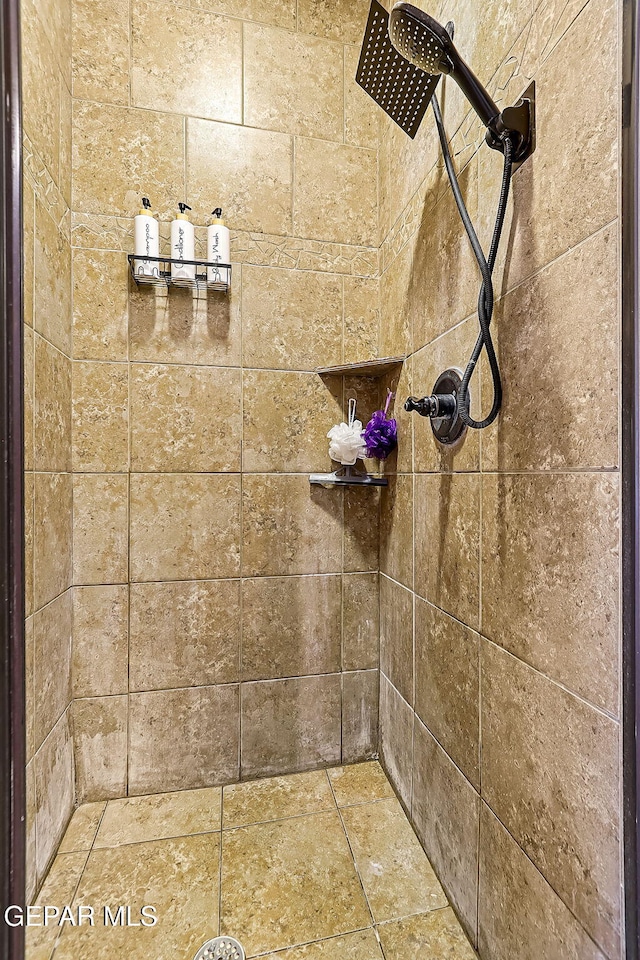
x: 349, y: 476
x: 164, y: 278
x: 367, y: 368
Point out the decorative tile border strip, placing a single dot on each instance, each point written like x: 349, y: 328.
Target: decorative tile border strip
x: 45, y: 187
x: 93, y: 231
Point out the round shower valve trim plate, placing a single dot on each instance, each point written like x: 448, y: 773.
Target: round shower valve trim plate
x: 221, y: 948
x: 442, y: 407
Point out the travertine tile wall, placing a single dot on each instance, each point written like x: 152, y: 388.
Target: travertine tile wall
x: 226, y: 616
x: 46, y: 66
x: 500, y: 565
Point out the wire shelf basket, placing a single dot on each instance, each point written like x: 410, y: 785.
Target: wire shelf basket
x: 201, y: 274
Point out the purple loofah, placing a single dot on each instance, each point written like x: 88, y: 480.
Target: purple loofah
x: 381, y: 434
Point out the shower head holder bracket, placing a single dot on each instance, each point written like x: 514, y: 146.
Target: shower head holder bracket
x: 442, y: 407
x: 519, y: 124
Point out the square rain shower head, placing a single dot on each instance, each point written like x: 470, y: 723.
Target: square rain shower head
x: 402, y: 90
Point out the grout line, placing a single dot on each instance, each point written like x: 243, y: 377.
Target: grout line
x: 355, y: 865
x: 220, y: 864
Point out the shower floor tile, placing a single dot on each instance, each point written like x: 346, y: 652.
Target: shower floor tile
x: 314, y: 866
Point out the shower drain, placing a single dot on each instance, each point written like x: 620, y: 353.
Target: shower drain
x: 222, y: 948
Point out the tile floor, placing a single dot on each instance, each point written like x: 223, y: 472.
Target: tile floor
x: 315, y: 866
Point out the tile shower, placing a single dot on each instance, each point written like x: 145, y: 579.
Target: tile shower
x: 197, y: 615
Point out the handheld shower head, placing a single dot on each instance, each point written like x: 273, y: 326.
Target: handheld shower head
x: 420, y: 39
x: 427, y: 45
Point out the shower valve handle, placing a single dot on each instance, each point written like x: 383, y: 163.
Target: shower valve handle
x: 437, y: 406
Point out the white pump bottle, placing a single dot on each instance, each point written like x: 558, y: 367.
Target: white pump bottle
x: 218, y: 251
x: 183, y: 245
x: 146, y: 241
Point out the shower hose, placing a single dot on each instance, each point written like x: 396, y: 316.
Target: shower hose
x: 485, y: 300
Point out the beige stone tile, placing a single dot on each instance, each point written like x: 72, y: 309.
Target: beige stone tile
x: 396, y: 739
x: 360, y: 700
x: 210, y: 47
x: 361, y: 530
x: 160, y: 817
x: 286, y: 420
x: 576, y: 154
x: 52, y: 536
x: 181, y: 328
x: 52, y: 285
x: 184, y: 634
x: 354, y: 946
x: 361, y: 319
x: 29, y: 485
x: 579, y: 427
x: 550, y: 577
x: 52, y: 635
x: 29, y: 688
x: 52, y: 408
x: 396, y: 636
x: 396, y: 329
x: 185, y: 419
x: 335, y: 197
x: 445, y: 811
x: 58, y: 889
x: 342, y: 21
x: 100, y: 640
x: 100, y: 747
x: 66, y: 146
x: 28, y: 395
x: 360, y: 112
x: 280, y: 14
x: 101, y: 51
x: 146, y: 156
x: 360, y: 621
x: 448, y: 685
x: 432, y: 936
x: 453, y: 349
x: 100, y: 529
x: 276, y: 798
x: 396, y: 530
x: 550, y: 773
x: 55, y: 792
x: 292, y: 83
x: 440, y: 299
x: 291, y: 626
x: 290, y: 725
x: 185, y: 526
x: 309, y: 892
x: 520, y: 915
x: 100, y: 417
x: 360, y: 783
x: 28, y: 240
x: 276, y: 306
x: 395, y: 873
x: 40, y: 88
x: 83, y: 827
x: 256, y: 168
x: 56, y: 19
x: 30, y: 833
x: 100, y: 310
x: 290, y: 527
x: 167, y: 749
x: 447, y: 514
x: 180, y: 877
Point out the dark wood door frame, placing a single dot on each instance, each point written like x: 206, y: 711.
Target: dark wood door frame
x: 12, y: 697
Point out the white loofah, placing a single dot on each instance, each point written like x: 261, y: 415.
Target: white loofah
x: 347, y: 444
